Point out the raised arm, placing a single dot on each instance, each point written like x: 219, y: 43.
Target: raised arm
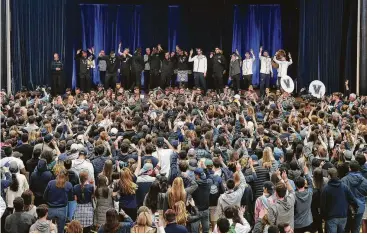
x: 253, y: 55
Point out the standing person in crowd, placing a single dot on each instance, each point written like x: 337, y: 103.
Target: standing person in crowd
x: 166, y: 71
x: 200, y: 68
x: 57, y: 194
x: 182, y: 68
x: 147, y: 70
x: 42, y: 225
x: 112, y: 65
x: 81, y: 164
x: 172, y: 226
x: 32, y: 163
x: 336, y: 198
x: 25, y: 149
x: 125, y: 66
x: 113, y: 225
x: 219, y: 69
x: 104, y: 202
x: 235, y: 70
x: 247, y: 69
x: 358, y: 186
x: 319, y: 182
x: 18, y: 185
x: 84, y: 68
x: 137, y: 67
x: 19, y: 222
x: 84, y: 193
x: 283, y: 65
x: 102, y: 66
x: 29, y: 207
x: 57, y: 68
x: 38, y: 181
x: 266, y: 71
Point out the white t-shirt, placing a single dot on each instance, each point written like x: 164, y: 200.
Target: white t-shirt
x: 11, y: 195
x: 4, y: 162
x: 165, y: 155
x: 247, y: 66
x: 79, y: 165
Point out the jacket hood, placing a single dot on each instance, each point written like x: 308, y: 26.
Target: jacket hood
x: 42, y: 166
x: 203, y: 182
x: 355, y: 179
x: 42, y: 226
x: 285, y: 204
x: 303, y: 196
x: 335, y: 183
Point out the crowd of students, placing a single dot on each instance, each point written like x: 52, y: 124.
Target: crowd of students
x: 180, y: 160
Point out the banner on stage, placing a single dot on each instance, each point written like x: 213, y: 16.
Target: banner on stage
x: 287, y: 84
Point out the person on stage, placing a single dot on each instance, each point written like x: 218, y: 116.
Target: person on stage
x: 57, y: 67
x: 283, y: 64
x: 182, y: 68
x: 102, y: 66
x: 247, y: 68
x: 125, y: 66
x: 266, y: 71
x: 84, y: 68
x: 137, y: 68
x: 235, y: 70
x: 147, y: 69
x: 155, y: 67
x: 166, y: 71
x: 219, y: 69
x: 112, y: 62
x: 200, y: 68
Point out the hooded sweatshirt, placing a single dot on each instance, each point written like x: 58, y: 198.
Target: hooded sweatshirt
x: 302, y: 207
x: 358, y: 186
x: 202, y: 194
x: 283, y: 211
x: 43, y: 226
x: 40, y: 178
x: 231, y: 197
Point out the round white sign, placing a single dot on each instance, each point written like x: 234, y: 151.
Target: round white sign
x: 287, y: 84
x: 317, y: 89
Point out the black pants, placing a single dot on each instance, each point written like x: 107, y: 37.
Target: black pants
x: 57, y: 83
x: 264, y: 83
x: 146, y: 80
x: 110, y: 81
x: 303, y: 230
x: 154, y: 78
x: 236, y: 82
x: 218, y: 82
x: 200, y: 80
x: 125, y: 76
x: 165, y: 80
x: 247, y: 79
x: 102, y: 76
x: 136, y: 80
x: 84, y: 81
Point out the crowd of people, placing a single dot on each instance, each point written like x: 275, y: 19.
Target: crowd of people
x: 180, y: 160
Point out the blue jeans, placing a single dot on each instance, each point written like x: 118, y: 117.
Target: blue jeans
x: 199, y: 80
x: 264, y: 83
x: 60, y: 215
x: 335, y: 225
x: 356, y: 223
x: 71, y: 209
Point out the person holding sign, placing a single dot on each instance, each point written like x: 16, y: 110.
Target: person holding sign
x: 283, y: 66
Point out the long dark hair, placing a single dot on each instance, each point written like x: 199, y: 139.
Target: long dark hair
x: 318, y: 178
x: 102, y: 187
x: 112, y: 221
x: 152, y: 196
x: 14, y: 186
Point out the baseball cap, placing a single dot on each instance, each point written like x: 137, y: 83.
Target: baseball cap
x: 348, y: 155
x: 114, y: 131
x: 82, y: 152
x: 191, y: 153
x: 13, y: 167
x: 200, y: 172
x: 146, y: 167
x: 208, y: 162
x: 254, y: 157
x: 160, y: 141
x: 193, y: 164
x: 48, y: 138
x: 17, y: 154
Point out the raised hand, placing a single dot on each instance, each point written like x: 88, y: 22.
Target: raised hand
x: 191, y: 52
x: 252, y: 51
x: 261, y: 48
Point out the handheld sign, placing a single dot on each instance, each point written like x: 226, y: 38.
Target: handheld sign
x: 287, y: 84
x: 317, y: 89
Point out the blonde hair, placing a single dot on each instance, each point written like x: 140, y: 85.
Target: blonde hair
x: 61, y: 179
x: 48, y: 127
x: 181, y: 214
x: 268, y: 157
x: 143, y: 223
x: 177, y: 192
x: 127, y: 186
x: 33, y: 136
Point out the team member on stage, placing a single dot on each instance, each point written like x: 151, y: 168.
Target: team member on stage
x: 155, y: 67
x: 283, y: 65
x: 57, y: 67
x: 137, y: 68
x: 102, y: 66
x: 235, y: 70
x: 182, y: 68
x: 147, y: 69
x: 166, y: 71
x: 266, y: 70
x: 219, y: 69
x: 125, y: 66
x: 113, y: 62
x: 84, y: 68
x: 200, y: 68
x: 247, y: 68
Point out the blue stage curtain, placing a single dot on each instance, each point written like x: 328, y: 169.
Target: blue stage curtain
x: 255, y: 26
x: 326, y: 31
x: 38, y: 31
x: 173, y: 27
x: 104, y: 26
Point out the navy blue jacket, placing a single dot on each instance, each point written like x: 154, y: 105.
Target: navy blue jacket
x: 358, y: 186
x: 335, y: 200
x: 40, y: 178
x: 58, y: 197
x: 175, y: 228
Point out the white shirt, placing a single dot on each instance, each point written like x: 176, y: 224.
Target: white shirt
x: 283, y: 66
x: 11, y: 195
x: 82, y: 164
x: 165, y: 155
x: 265, y: 67
x: 200, y: 63
x: 7, y: 160
x: 247, y: 66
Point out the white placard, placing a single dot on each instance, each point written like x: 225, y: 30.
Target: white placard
x: 287, y: 84
x: 317, y: 89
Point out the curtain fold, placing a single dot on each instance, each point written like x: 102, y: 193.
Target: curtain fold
x: 173, y: 27
x: 255, y: 26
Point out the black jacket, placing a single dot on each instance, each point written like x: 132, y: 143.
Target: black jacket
x: 182, y: 62
x: 155, y: 62
x: 219, y: 63
x: 262, y: 176
x: 125, y: 64
x: 112, y: 63
x: 201, y: 195
x: 137, y: 62
x: 83, y: 62
x: 167, y: 67
x: 26, y: 150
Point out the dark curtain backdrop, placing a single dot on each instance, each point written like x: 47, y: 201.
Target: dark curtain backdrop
x: 327, y: 43
x: 255, y: 26
x: 3, y: 44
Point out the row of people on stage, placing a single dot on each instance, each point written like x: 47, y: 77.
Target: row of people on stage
x: 161, y: 68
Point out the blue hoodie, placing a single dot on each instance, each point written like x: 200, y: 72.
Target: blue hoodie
x: 335, y: 200
x: 358, y: 186
x: 40, y: 178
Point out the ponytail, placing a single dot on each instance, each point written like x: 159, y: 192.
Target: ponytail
x: 14, y: 186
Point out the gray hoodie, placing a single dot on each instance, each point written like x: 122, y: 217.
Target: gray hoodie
x: 43, y: 226
x: 283, y: 211
x: 302, y: 208
x: 231, y: 197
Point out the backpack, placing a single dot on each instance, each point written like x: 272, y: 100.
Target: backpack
x: 232, y: 228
